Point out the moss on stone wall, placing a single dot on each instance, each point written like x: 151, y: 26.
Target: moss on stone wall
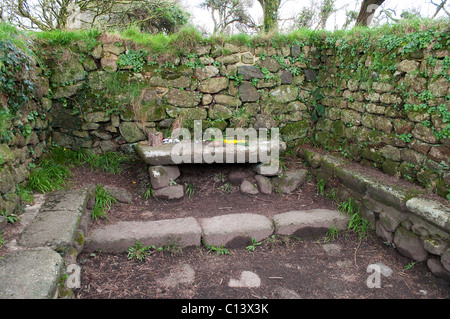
x: 370, y: 94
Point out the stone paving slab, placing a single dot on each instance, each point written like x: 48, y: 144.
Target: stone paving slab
x: 54, y: 229
x: 293, y: 222
x: 30, y: 274
x: 235, y: 229
x: 119, y: 237
x: 72, y: 200
x: 50, y: 227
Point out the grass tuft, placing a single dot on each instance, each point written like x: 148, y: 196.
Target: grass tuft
x: 103, y: 203
x: 49, y: 176
x: 66, y: 38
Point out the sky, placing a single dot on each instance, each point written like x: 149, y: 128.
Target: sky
x: 202, y: 17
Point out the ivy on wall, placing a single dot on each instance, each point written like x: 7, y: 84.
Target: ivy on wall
x: 16, y: 89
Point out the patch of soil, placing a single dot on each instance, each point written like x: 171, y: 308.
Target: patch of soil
x: 304, y: 268
x: 299, y: 266
x: 209, y: 197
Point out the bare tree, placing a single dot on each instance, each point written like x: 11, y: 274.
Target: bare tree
x: 317, y: 14
x: 326, y: 9
x: 225, y: 13
x: 350, y: 16
x: 148, y: 15
x: 440, y: 6
x: 306, y: 17
x: 37, y: 14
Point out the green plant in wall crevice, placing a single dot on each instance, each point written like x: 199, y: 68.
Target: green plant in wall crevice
x: 136, y: 59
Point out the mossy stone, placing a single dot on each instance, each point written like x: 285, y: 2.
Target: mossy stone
x: 219, y: 112
x: 127, y: 114
x: 372, y: 155
x: 6, y: 154
x: 80, y: 239
x: 407, y: 171
x: 390, y: 167
x: 323, y: 138
x: 68, y: 71
x: 219, y: 124
x: 6, y: 180
x: 293, y: 131
x: 427, y: 178
x: 131, y: 132
x: 338, y: 128
x: 187, y: 113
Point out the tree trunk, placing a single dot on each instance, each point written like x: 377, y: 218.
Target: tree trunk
x: 367, y: 11
x: 270, y: 9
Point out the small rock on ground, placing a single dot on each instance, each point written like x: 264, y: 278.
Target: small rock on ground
x: 181, y: 275
x: 120, y: 194
x: 332, y: 249
x: 237, y: 176
x: 160, y: 176
x: 247, y: 279
x: 248, y: 188
x: 264, y: 184
x: 170, y: 192
x: 285, y: 293
x: 290, y: 181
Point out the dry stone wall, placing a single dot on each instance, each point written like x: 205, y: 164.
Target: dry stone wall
x: 24, y: 123
x: 385, y: 106
x: 379, y: 100
x: 389, y: 109
x: 401, y: 215
x: 382, y: 101
x: 111, y: 105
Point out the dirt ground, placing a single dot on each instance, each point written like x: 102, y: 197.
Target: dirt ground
x: 288, y: 267
x: 304, y: 267
x: 209, y: 197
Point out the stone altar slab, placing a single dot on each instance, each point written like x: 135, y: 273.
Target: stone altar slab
x: 201, y: 152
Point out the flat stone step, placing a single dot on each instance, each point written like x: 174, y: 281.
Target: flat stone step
x: 432, y: 211
x: 313, y: 220
x: 55, y: 229
x: 235, y: 229
x: 71, y: 200
x: 119, y: 237
x: 57, y: 223
x: 190, y: 152
x: 30, y: 274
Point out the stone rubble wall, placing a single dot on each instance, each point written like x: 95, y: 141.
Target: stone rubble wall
x: 419, y: 228
x: 24, y: 134
x: 309, y: 93
x: 390, y: 121
x: 211, y: 93
x: 394, y: 117
x: 394, y: 120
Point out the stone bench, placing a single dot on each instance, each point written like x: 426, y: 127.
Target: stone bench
x: 191, y: 152
x: 163, y: 160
